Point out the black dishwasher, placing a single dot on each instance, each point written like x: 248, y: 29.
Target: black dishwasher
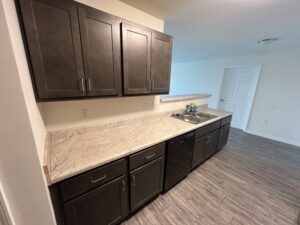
x: 179, y: 159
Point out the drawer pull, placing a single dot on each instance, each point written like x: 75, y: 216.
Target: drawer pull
x: 81, y: 85
x: 208, y: 139
x: 89, y: 85
x: 150, y: 156
x: 132, y: 180
x: 123, y: 185
x: 98, y: 180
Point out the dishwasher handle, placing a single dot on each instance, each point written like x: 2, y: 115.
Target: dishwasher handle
x: 184, y: 138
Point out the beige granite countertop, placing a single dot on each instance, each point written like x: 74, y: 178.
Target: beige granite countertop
x: 76, y: 150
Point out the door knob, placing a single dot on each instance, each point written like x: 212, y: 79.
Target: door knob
x: 222, y: 100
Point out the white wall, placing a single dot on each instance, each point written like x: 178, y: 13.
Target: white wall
x: 22, y: 179
x: 277, y: 96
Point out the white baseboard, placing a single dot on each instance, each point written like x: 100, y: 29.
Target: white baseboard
x: 261, y: 134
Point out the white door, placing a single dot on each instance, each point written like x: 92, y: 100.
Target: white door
x: 237, y: 93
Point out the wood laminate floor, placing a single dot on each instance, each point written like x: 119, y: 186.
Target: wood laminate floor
x: 251, y: 181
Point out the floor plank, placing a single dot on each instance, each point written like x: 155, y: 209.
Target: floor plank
x: 252, y: 181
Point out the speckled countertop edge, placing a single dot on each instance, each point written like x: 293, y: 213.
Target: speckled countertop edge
x: 176, y: 98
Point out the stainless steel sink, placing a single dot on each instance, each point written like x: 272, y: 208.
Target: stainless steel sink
x: 194, y: 118
x: 191, y: 118
x: 206, y: 116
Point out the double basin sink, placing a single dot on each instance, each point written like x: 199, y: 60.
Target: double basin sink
x: 194, y: 118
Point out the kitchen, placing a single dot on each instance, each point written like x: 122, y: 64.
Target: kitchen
x: 102, y: 140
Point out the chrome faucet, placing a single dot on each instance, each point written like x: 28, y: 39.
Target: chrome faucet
x: 191, y: 109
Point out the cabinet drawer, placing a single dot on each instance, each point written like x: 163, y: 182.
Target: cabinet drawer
x: 146, y: 156
x: 226, y: 121
x: 207, y: 129
x: 89, y: 180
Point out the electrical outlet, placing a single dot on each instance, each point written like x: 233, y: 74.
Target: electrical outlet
x: 145, y: 105
x: 84, y: 113
x: 265, y: 122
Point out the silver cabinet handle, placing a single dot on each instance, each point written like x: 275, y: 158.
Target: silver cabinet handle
x: 97, y: 180
x: 81, y: 85
x: 132, y: 180
x: 89, y: 85
x: 123, y: 185
x: 222, y: 100
x: 150, y: 156
x: 208, y: 139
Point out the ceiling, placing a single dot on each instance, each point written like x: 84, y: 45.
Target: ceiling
x: 205, y: 29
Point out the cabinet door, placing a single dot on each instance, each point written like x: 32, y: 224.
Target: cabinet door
x: 199, y: 151
x: 53, y: 39
x: 146, y: 182
x: 211, y: 143
x: 136, y: 59
x: 107, y: 204
x: 223, y: 136
x: 161, y: 57
x: 100, y: 35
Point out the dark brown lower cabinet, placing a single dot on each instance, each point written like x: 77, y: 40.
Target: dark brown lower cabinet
x: 223, y: 136
x: 211, y: 143
x: 205, y: 147
x: 101, y: 196
x: 146, y: 182
x: 107, y: 204
x: 199, y: 151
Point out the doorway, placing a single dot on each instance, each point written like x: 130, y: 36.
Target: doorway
x: 237, y: 93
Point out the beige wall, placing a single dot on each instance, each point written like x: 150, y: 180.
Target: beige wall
x: 22, y: 180
x: 122, y: 10
x: 5, y: 212
x: 36, y: 120
x: 61, y: 115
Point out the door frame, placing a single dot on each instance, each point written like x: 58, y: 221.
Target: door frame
x: 252, y: 92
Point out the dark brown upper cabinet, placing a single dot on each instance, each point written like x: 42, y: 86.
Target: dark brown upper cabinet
x: 100, y: 35
x: 76, y: 51
x: 147, y: 57
x: 161, y: 58
x: 53, y: 39
x: 136, y: 59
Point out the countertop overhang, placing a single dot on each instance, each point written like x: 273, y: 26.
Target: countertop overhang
x: 77, y: 150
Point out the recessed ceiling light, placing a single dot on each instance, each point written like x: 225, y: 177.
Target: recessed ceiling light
x: 267, y: 41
